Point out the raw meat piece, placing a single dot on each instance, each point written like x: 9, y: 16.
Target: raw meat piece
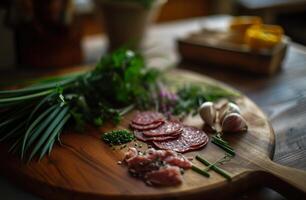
x: 131, y: 153
x: 158, y: 167
x: 166, y: 176
x: 133, y: 158
x: 169, y: 157
x: 178, y: 160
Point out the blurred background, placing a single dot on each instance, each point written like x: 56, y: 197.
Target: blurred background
x: 61, y: 33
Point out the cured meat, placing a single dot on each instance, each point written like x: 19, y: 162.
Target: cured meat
x: 190, y: 139
x: 178, y: 160
x: 140, y: 136
x: 147, y: 118
x: 133, y: 158
x: 146, y: 127
x: 131, y: 153
x: 150, y: 126
x: 167, y: 129
x: 166, y: 176
x: 157, y: 167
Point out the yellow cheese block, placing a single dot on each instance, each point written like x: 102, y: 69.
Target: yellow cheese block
x: 241, y: 24
x: 263, y: 36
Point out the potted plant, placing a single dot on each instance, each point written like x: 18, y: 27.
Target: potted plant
x: 126, y: 21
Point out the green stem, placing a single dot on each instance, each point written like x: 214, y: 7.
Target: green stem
x: 56, y: 132
x: 199, y: 171
x: 225, y: 148
x: 212, y: 164
x: 31, y: 96
x: 51, y: 127
x: 33, y: 125
x: 225, y: 158
x: 215, y: 168
x: 219, y: 139
x: 38, y: 87
x: 127, y: 109
x: 12, y: 132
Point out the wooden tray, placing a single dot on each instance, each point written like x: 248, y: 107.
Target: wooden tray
x: 228, y: 49
x: 86, y: 168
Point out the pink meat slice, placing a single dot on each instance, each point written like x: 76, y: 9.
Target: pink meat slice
x: 170, y: 157
x: 147, y: 118
x: 166, y: 176
x: 131, y: 153
x: 140, y: 136
x: 190, y: 139
x: 156, y: 167
x: 132, y: 157
x: 146, y: 127
x: 178, y: 160
x: 167, y: 129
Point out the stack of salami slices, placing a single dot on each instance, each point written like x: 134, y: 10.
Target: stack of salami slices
x: 150, y: 126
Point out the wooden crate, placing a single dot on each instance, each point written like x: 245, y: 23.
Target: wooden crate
x: 229, y: 50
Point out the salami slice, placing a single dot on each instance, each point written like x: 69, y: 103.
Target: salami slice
x: 193, y: 148
x: 147, y: 118
x: 190, y: 139
x: 146, y: 127
x: 168, y: 128
x: 140, y: 136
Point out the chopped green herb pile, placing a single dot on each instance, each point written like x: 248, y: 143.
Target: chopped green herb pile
x: 117, y: 137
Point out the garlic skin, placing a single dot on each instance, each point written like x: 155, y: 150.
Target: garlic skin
x: 228, y: 109
x: 234, y: 122
x: 208, y: 113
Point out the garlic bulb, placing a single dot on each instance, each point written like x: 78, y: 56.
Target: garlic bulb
x: 208, y: 113
x: 234, y: 122
x: 227, y: 109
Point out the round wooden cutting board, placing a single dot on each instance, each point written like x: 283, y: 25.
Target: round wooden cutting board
x: 84, y: 167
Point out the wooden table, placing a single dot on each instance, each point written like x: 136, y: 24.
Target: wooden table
x: 282, y: 97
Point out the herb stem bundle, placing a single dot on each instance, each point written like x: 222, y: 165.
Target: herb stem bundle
x: 223, y: 145
x: 200, y: 171
x: 225, y: 158
x: 217, y: 169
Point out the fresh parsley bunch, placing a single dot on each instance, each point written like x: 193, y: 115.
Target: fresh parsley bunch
x: 33, y: 118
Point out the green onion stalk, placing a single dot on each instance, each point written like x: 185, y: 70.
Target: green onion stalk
x: 33, y: 118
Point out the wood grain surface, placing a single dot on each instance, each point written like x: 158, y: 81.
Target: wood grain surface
x: 85, y: 167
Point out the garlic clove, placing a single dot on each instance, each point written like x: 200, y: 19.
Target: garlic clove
x: 227, y: 109
x: 234, y: 122
x: 220, y: 103
x: 208, y: 113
